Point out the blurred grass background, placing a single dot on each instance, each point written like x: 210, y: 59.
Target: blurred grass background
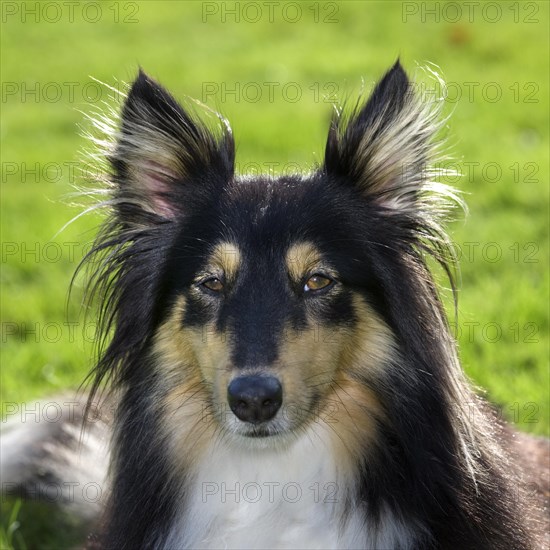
x: 273, y: 72
x: 495, y: 60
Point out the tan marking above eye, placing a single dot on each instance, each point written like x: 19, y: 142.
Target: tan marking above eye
x: 226, y: 258
x: 317, y: 282
x: 301, y: 259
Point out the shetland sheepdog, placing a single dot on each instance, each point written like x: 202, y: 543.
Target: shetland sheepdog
x: 283, y: 367
x: 285, y: 372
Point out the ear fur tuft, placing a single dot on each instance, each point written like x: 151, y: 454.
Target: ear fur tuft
x: 387, y: 148
x: 159, y: 149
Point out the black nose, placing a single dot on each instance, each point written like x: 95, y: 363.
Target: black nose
x: 255, y: 398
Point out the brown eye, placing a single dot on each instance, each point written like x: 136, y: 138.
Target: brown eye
x: 317, y: 282
x: 214, y: 284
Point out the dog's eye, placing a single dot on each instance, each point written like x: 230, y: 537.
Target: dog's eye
x: 214, y: 284
x: 317, y: 282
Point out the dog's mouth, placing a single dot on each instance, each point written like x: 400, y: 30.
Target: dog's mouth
x: 261, y: 431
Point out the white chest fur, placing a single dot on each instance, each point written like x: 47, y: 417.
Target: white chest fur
x: 265, y: 498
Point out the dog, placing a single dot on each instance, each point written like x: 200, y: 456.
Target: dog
x: 284, y: 372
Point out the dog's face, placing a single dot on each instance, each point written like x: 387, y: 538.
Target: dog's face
x: 267, y: 301
x: 263, y: 301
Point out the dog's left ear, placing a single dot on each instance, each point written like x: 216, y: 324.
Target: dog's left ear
x: 385, y: 146
x: 160, y: 152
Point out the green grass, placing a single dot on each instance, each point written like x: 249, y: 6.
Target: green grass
x: 41, y: 354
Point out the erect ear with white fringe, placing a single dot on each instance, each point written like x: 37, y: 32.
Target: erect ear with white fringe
x: 159, y: 150
x: 385, y: 147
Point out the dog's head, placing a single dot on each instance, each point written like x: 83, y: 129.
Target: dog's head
x: 262, y: 304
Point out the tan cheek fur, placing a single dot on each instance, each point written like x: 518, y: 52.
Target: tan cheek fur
x: 188, y: 360
x: 355, y: 405
x: 370, y: 345
x: 329, y: 361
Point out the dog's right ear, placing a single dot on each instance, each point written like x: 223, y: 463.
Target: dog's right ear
x: 160, y: 151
